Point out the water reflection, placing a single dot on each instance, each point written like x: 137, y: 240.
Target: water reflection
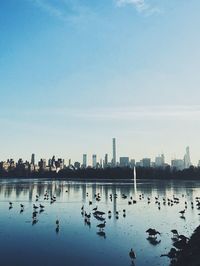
x: 81, y: 214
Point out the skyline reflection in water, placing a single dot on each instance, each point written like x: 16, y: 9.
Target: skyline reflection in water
x: 75, y: 243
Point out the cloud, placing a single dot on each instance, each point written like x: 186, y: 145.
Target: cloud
x: 65, y: 10
x: 50, y: 9
x: 142, y: 113
x: 140, y: 5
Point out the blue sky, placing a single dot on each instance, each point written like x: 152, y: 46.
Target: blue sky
x: 75, y: 73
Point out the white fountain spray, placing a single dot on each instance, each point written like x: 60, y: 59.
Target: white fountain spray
x: 135, y: 180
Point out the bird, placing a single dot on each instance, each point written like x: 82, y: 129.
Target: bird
x: 95, y: 209
x: 174, y: 232
x: 182, y: 212
x: 171, y: 254
x: 101, y: 226
x: 35, y: 207
x: 41, y: 206
x: 152, y: 232
x: 132, y: 255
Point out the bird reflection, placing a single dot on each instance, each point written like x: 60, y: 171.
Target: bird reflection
x: 34, y: 221
x: 101, y: 234
x: 57, y: 229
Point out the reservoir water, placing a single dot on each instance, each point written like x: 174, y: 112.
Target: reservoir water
x: 75, y: 242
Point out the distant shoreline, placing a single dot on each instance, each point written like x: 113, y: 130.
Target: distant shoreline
x: 103, y: 174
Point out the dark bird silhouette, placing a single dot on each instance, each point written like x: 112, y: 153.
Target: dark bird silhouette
x: 101, y: 226
x: 171, y: 254
x: 182, y: 212
x: 132, y: 255
x: 152, y: 232
x: 174, y: 232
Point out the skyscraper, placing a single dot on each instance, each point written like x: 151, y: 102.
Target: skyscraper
x: 187, y: 161
x: 33, y: 159
x: 105, y: 160
x: 94, y: 160
x: 114, y: 151
x: 84, y: 160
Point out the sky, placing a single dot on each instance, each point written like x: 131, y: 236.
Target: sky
x: 76, y: 73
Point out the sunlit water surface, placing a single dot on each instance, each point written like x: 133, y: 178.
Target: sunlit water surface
x: 76, y: 243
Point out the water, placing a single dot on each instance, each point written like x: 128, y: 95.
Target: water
x: 78, y: 244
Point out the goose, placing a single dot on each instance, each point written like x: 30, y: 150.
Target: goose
x: 182, y: 212
x: 152, y: 232
x: 172, y: 254
x: 132, y: 255
x: 57, y: 223
x: 101, y: 226
x: 174, y: 232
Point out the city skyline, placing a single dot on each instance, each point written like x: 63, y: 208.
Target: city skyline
x: 76, y: 73
x: 112, y: 160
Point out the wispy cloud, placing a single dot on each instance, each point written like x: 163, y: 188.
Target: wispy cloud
x: 168, y: 112
x: 65, y: 10
x: 140, y: 5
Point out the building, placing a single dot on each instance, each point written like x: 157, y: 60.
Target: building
x: 42, y: 164
x: 114, y: 152
x: 105, y: 162
x: 187, y: 161
x: 124, y: 161
x: 160, y: 161
x: 33, y: 159
x: 145, y: 162
x: 132, y: 163
x: 94, y: 160
x: 77, y: 165
x: 177, y: 164
x: 84, y: 165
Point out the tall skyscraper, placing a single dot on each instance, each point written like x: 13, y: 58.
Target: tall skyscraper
x: 187, y: 161
x: 105, y: 160
x: 94, y: 160
x: 84, y: 160
x: 114, y: 151
x: 33, y: 159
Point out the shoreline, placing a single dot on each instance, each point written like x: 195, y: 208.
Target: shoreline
x: 99, y: 180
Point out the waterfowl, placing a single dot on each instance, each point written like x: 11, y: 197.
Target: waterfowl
x: 174, y: 232
x: 101, y: 226
x: 132, y: 255
x: 152, y: 232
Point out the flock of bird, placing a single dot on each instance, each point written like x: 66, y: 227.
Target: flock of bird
x: 179, y: 240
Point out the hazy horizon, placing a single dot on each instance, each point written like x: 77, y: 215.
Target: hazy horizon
x: 74, y: 74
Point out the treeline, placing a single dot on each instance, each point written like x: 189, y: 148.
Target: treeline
x: 107, y: 173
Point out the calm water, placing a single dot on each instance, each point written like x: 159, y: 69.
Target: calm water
x: 76, y: 243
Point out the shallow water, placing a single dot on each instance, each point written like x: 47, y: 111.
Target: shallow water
x: 76, y: 243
